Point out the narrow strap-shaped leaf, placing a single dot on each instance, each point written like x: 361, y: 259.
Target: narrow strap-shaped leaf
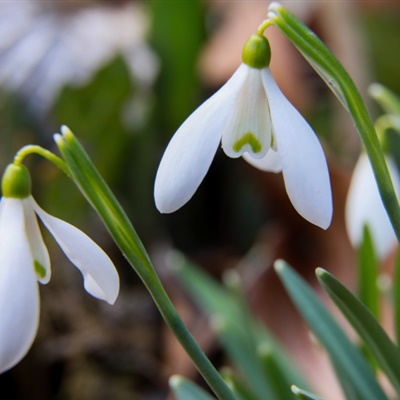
x: 99, y: 195
x: 241, y: 336
x: 368, y: 273
x: 186, y: 390
x: 397, y: 298
x: 273, y: 369
x: 238, y: 387
x: 304, y: 395
x: 344, y: 355
x: 387, y: 99
x: 375, y: 338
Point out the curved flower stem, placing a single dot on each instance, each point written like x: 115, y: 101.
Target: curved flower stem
x: 104, y: 202
x: 337, y: 79
x: 31, y: 149
x: 264, y: 25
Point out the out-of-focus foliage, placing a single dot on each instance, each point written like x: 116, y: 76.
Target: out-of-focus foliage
x: 381, y: 31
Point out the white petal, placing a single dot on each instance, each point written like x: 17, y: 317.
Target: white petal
x: 100, y: 277
x: 304, y: 167
x: 191, y: 150
x: 249, y: 127
x: 37, y: 246
x: 19, y: 296
x: 364, y: 207
x: 270, y: 162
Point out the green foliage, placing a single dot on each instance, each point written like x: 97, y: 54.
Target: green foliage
x: 265, y: 369
x: 397, y: 298
x: 368, y: 274
x: 187, y: 390
x: 95, y: 110
x: 304, y: 395
x: 377, y: 342
x: 177, y: 34
x: 357, y: 378
x: 381, y: 31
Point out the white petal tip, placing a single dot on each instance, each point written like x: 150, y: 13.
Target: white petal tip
x: 169, y: 198
x: 321, y: 217
x: 65, y: 130
x: 107, y: 292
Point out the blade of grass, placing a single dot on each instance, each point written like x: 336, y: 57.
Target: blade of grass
x: 368, y: 273
x: 186, y: 390
x: 397, y: 298
x: 344, y: 355
x: 304, y: 395
x: 240, y: 335
x: 375, y: 338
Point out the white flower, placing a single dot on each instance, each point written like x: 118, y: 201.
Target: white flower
x: 364, y: 207
x: 254, y: 120
x: 24, y: 260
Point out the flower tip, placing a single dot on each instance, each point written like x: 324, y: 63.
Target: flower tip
x: 274, y: 6
x: 375, y: 90
x: 65, y: 131
x: 58, y: 138
x: 279, y: 266
x: 167, y: 203
x: 325, y: 223
x: 175, y: 381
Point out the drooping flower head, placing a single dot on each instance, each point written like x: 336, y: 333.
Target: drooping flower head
x: 24, y: 260
x: 253, y: 119
x: 364, y: 207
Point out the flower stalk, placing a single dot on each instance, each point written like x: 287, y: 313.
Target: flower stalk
x: 104, y: 202
x: 337, y: 79
x: 34, y: 149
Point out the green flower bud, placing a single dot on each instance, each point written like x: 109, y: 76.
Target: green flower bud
x: 16, y: 182
x: 257, y: 52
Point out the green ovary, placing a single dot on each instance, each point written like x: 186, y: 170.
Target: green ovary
x: 247, y: 138
x: 40, y: 270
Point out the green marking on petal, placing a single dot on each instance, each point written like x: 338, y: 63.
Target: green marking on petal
x: 40, y: 270
x: 247, y: 138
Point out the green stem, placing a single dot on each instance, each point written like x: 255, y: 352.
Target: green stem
x: 104, y: 202
x: 263, y: 26
x: 337, y: 79
x: 34, y: 149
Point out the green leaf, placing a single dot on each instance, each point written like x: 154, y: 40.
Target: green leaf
x: 375, y: 338
x: 274, y: 370
x: 387, y: 99
x: 177, y: 34
x: 99, y: 195
x: 397, y: 298
x: 239, y: 389
x: 241, y: 336
x: 304, y: 395
x: 187, y: 390
x: 368, y: 273
x: 344, y: 355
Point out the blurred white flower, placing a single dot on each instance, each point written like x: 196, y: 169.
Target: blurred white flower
x: 46, y: 45
x: 364, y: 207
x: 24, y: 260
x: 254, y: 120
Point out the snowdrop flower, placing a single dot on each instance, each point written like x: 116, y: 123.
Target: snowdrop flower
x: 254, y: 120
x: 364, y: 207
x: 24, y: 260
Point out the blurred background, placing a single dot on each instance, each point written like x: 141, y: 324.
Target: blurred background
x: 123, y: 75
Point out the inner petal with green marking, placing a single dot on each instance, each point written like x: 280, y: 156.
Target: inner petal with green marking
x: 250, y: 139
x: 39, y: 269
x: 249, y: 128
